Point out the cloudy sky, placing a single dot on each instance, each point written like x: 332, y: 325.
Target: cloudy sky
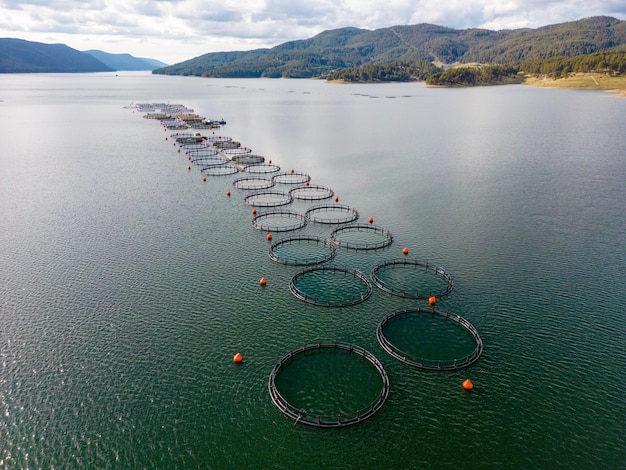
x: 177, y: 30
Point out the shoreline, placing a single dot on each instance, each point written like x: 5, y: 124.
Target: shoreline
x: 616, y: 85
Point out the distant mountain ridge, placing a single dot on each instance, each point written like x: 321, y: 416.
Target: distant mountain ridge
x: 20, y: 56
x: 354, y: 47
x: 125, y: 61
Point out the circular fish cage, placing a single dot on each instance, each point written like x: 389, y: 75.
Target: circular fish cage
x: 421, y: 338
x: 218, y: 138
x: 201, y: 152
x: 328, y: 385
x: 279, y: 221
x: 226, y: 144
x: 219, y: 169
x: 330, y: 287
x: 402, y: 278
x: 208, y: 160
x: 361, y: 237
x: 313, y: 192
x: 295, y: 177
x: 332, y: 214
x: 302, y: 251
x: 253, y: 183
x: 247, y: 159
x: 263, y: 168
x: 195, y: 146
x: 268, y: 199
x: 231, y: 152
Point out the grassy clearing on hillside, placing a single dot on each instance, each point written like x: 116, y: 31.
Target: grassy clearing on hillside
x: 583, y: 81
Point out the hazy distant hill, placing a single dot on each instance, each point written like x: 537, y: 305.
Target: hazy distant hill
x: 353, y: 47
x: 19, y: 56
x: 125, y: 61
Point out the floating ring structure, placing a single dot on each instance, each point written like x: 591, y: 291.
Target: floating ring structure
x: 226, y: 144
x: 263, y: 168
x: 327, y: 419
x: 313, y: 192
x: 247, y: 159
x: 361, y: 237
x: 422, y: 362
x: 219, y: 169
x: 296, y: 177
x: 194, y: 146
x: 218, y: 138
x: 231, y: 152
x: 331, y: 287
x: 279, y: 221
x: 208, y: 160
x: 268, y: 199
x: 410, y: 268
x: 201, y: 152
x: 302, y: 251
x: 253, y: 182
x: 332, y: 214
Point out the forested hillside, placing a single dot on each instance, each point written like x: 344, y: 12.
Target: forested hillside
x: 19, y: 56
x: 349, y: 48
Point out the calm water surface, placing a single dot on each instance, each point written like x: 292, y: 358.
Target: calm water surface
x: 127, y: 283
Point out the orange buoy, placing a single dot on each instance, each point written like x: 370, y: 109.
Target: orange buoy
x: 188, y: 167
x: 228, y: 193
x: 189, y: 158
x: 405, y: 251
x: 254, y: 211
x: 166, y: 138
x: 263, y: 281
x: 178, y: 150
x: 270, y: 161
x: 237, y: 358
x: 371, y: 220
x: 432, y: 300
x: 336, y: 198
x: 467, y: 384
x: 204, y: 179
x: 293, y: 171
x: 269, y: 236
x: 308, y: 183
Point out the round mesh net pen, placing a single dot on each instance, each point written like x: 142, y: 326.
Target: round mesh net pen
x: 412, y: 279
x: 294, y: 177
x: 253, y: 183
x: 194, y: 146
x: 201, y: 152
x: 247, y: 159
x: 330, y: 287
x: 302, y: 251
x: 332, y: 214
x: 232, y: 152
x: 208, y: 160
x: 215, y: 139
x: 311, y: 193
x: 219, y: 169
x: 429, y: 339
x: 279, y: 221
x: 361, y: 237
x: 264, y: 168
x: 268, y: 199
x: 328, y: 385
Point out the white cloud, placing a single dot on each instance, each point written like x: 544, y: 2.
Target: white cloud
x: 176, y: 30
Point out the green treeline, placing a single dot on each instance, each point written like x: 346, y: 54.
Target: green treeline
x: 559, y: 67
x: 476, y: 75
x: 612, y: 62
x: 398, y: 71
